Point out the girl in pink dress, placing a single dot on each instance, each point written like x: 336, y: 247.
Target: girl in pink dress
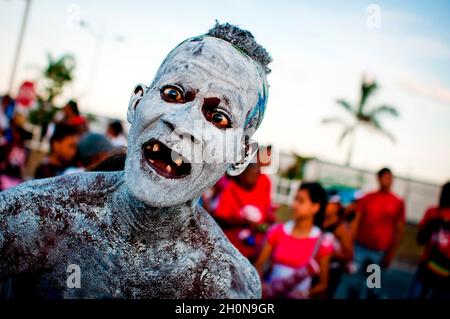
x: 298, y: 250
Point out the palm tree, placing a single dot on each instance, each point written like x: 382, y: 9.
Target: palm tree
x: 362, y: 116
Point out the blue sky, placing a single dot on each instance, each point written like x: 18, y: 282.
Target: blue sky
x: 320, y: 50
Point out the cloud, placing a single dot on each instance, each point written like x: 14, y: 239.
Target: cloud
x: 437, y: 91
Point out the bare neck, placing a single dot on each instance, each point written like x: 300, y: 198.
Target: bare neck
x: 303, y: 227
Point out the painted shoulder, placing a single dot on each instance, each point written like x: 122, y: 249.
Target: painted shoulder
x: 61, y: 190
x: 233, y: 274
x: 37, y: 216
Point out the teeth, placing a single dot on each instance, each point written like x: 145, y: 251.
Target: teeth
x: 155, y: 147
x: 168, y: 169
x: 151, y: 161
x: 178, y: 161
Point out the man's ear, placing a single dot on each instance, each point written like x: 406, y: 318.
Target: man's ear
x: 250, y: 150
x: 136, y: 96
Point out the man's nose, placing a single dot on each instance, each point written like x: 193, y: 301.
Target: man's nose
x: 184, y: 124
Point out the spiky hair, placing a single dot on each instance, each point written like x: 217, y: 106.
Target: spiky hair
x: 243, y: 40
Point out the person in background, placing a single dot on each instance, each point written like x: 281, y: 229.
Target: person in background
x: 7, y: 107
x: 116, y: 134
x: 14, y: 154
x: 63, y: 148
x: 335, y: 223
x: 378, y: 229
x: 298, y: 250
x: 432, y: 278
x: 244, y: 210
x: 72, y: 117
x: 92, y: 149
x: 6, y: 118
x: 113, y: 163
x: 210, y: 199
x: 12, y: 160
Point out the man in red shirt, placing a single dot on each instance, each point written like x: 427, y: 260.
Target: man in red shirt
x: 244, y: 210
x: 380, y: 219
x: 378, y: 230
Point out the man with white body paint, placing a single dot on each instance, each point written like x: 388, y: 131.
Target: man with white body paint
x: 139, y: 233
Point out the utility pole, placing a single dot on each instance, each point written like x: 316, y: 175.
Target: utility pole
x: 19, y: 45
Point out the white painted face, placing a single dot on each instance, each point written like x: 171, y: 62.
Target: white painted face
x: 189, y: 125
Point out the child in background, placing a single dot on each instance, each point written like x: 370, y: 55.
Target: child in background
x: 116, y: 134
x: 298, y: 250
x: 93, y: 148
x: 336, y: 224
x: 63, y: 148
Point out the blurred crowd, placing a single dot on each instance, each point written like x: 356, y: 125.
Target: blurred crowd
x: 72, y: 146
x: 325, y: 248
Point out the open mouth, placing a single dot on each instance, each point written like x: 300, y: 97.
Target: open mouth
x: 164, y: 160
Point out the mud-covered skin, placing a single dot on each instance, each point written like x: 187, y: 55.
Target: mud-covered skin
x: 139, y: 233
x: 124, y: 248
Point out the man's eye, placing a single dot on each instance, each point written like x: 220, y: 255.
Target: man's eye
x: 172, y: 94
x: 219, y: 119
